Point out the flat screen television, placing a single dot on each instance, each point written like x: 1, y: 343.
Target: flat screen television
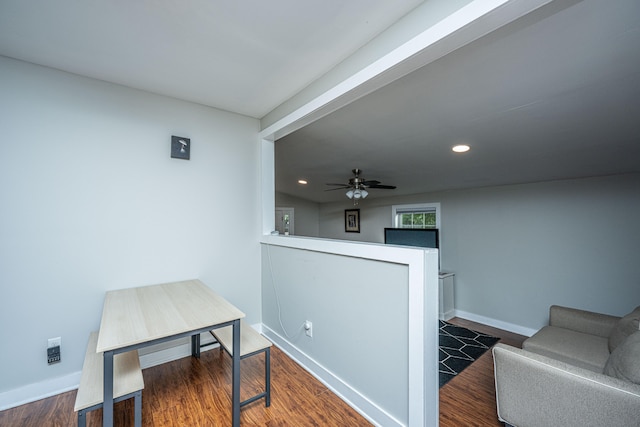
x: 424, y: 238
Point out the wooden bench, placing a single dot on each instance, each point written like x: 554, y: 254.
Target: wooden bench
x: 251, y: 343
x: 127, y: 381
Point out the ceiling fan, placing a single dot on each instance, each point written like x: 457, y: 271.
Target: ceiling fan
x: 357, y: 186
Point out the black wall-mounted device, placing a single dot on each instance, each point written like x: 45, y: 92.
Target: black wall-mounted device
x: 53, y: 354
x: 180, y: 147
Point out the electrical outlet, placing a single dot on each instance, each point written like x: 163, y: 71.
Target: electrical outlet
x: 53, y: 355
x: 53, y: 350
x: 308, y: 329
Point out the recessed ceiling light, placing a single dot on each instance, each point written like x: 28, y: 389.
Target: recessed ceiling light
x: 462, y: 148
x: 302, y: 181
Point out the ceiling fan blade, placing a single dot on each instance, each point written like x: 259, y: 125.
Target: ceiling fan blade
x: 356, y: 183
x: 383, y: 187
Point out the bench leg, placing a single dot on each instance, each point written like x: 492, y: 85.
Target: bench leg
x: 107, y: 395
x: 267, y: 376
x: 235, y: 375
x: 82, y: 418
x: 137, y: 403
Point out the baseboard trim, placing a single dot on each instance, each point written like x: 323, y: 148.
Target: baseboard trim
x: 149, y: 356
x: 447, y: 315
x: 40, y: 390
x: 516, y: 329
x: 373, y: 413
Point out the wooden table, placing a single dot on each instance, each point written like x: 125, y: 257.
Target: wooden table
x: 138, y: 317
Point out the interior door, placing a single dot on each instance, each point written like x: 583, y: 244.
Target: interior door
x: 284, y: 220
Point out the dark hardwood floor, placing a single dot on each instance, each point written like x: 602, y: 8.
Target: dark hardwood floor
x: 196, y: 393
x: 469, y: 399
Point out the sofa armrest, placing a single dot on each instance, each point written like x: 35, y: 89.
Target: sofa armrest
x: 535, y: 390
x: 583, y: 321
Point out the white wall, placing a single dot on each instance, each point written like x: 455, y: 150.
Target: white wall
x: 518, y: 249
x: 92, y: 201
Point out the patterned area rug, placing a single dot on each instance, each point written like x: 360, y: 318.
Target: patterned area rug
x: 459, y: 348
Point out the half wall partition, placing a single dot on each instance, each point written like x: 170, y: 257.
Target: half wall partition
x: 374, y: 316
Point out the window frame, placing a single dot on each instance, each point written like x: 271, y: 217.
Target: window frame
x: 415, y: 207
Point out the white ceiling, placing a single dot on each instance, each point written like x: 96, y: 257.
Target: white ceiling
x: 245, y: 56
x: 552, y: 95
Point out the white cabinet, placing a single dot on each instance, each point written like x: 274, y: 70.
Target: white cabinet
x: 445, y: 290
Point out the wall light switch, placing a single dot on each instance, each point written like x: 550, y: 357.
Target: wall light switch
x: 180, y: 147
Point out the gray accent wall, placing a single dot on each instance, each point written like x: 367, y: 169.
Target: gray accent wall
x: 518, y: 249
x: 374, y: 312
x: 359, y: 311
x: 306, y: 214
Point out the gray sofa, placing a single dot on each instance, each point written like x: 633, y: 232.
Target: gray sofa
x: 581, y: 370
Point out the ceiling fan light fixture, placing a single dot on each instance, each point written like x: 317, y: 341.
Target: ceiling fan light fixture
x: 357, y: 187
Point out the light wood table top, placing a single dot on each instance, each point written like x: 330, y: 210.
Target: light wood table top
x: 137, y: 315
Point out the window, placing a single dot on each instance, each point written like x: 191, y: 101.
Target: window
x: 424, y: 215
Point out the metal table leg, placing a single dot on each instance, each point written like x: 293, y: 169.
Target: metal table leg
x: 195, y: 346
x: 267, y: 376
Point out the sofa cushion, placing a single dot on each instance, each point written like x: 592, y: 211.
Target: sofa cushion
x: 624, y: 362
x: 624, y: 327
x: 576, y: 348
